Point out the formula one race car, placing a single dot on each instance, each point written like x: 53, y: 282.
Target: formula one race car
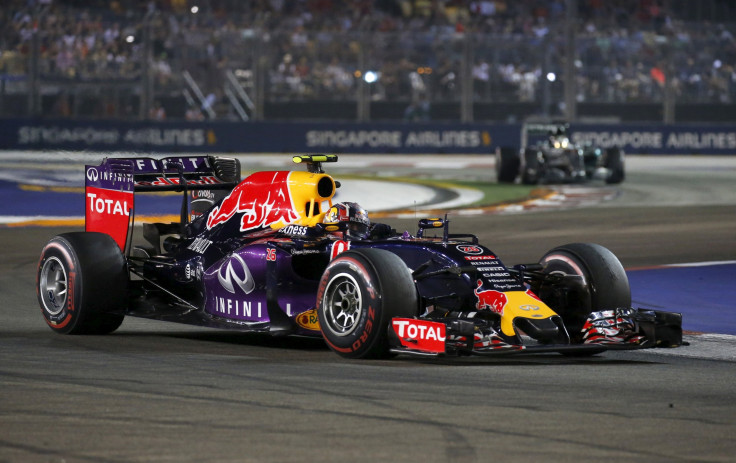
x: 275, y: 255
x: 547, y: 155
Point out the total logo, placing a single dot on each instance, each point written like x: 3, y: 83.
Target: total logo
x: 414, y: 329
x: 107, y: 206
x: 421, y: 335
x: 235, y: 274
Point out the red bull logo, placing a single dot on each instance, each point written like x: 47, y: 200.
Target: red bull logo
x: 263, y: 198
x: 490, y: 299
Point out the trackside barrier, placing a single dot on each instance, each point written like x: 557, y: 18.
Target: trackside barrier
x: 302, y: 137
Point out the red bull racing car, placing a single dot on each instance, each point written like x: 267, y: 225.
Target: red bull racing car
x: 274, y: 254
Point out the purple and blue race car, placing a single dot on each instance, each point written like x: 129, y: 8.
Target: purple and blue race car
x: 272, y: 253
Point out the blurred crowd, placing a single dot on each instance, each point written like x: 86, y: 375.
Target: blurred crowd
x: 414, y: 50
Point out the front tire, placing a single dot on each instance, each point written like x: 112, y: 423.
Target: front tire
x: 595, y: 280
x: 81, y: 283
x: 508, y: 161
x: 614, y: 164
x: 361, y: 290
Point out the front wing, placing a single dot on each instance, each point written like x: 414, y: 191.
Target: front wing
x: 617, y: 329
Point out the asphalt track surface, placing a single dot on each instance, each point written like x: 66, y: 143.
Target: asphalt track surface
x: 157, y: 392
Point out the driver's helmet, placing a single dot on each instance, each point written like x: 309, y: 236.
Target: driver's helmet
x: 351, y: 214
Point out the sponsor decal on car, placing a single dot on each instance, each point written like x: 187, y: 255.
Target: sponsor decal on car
x: 490, y: 299
x: 338, y: 247
x: 235, y: 274
x: 99, y: 203
x: 296, y: 230
x: 263, y: 200
x: 168, y: 181
x: 469, y: 249
x: 199, y: 245
x: 308, y: 320
x: 108, y: 211
x: 422, y: 335
x: 238, y: 308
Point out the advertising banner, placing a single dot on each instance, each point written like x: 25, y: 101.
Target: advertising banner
x: 326, y: 137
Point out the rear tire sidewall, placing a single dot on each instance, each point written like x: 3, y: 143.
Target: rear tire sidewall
x: 385, y: 290
x: 94, y: 273
x: 59, y: 311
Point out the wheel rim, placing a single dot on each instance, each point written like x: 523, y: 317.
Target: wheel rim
x: 53, y: 285
x: 343, y: 304
x: 563, y: 265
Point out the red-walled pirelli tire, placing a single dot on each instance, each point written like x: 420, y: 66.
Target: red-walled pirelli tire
x: 82, y: 283
x: 602, y: 282
x: 361, y: 290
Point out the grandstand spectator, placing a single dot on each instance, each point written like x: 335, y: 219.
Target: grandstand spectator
x: 628, y: 50
x: 193, y: 114
x: 157, y: 112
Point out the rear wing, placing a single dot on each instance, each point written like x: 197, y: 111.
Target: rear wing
x: 110, y: 187
x: 196, y: 172
x: 532, y: 133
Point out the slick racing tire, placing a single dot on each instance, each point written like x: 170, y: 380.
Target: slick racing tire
x: 360, y: 292
x: 614, y: 165
x: 508, y: 161
x: 596, y: 281
x: 81, y: 283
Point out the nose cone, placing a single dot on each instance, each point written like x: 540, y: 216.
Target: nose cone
x: 523, y: 305
x: 543, y: 330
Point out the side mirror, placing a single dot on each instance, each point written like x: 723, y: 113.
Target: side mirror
x: 428, y: 223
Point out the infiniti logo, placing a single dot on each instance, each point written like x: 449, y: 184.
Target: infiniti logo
x: 236, y: 273
x: 529, y: 307
x: 92, y: 174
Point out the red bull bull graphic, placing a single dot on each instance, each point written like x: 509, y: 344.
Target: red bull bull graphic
x: 490, y: 299
x: 263, y: 198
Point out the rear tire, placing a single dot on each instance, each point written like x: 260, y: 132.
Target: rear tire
x: 81, y: 283
x: 604, y: 284
x: 360, y: 292
x: 508, y: 161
